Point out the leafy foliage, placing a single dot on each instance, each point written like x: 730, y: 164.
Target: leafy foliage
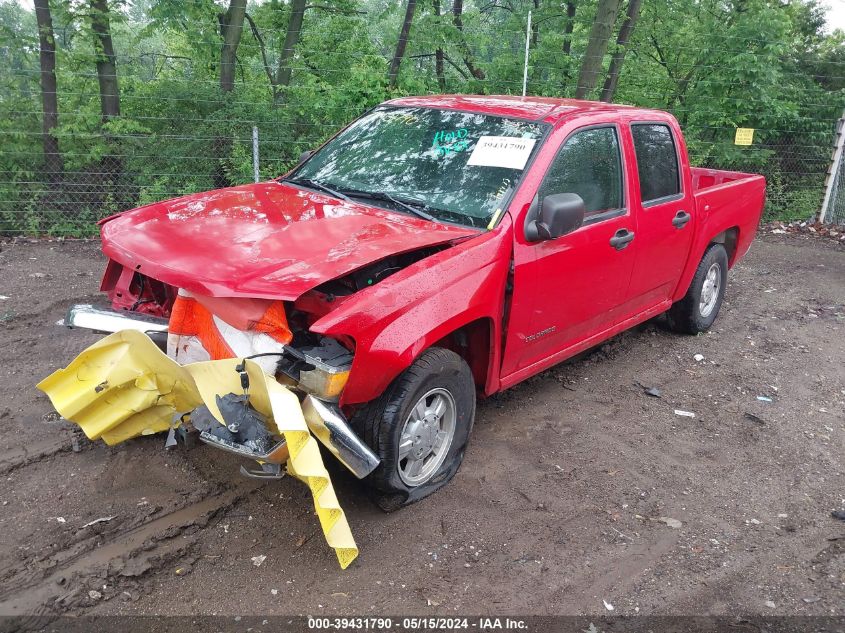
x: 716, y: 64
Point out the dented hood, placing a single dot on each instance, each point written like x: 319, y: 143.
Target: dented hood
x: 269, y: 240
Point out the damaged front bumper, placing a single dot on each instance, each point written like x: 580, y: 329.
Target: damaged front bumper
x: 108, y: 321
x: 321, y: 382
x: 329, y: 425
x: 124, y: 386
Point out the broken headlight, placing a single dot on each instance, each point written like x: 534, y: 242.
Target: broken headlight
x: 323, y: 369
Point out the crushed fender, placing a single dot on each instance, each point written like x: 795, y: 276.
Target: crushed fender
x: 124, y: 386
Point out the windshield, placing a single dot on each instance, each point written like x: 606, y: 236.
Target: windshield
x: 452, y: 166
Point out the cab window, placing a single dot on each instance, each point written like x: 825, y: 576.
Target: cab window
x: 588, y: 164
x: 657, y: 161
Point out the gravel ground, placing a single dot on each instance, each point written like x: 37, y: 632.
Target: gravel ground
x: 578, y: 487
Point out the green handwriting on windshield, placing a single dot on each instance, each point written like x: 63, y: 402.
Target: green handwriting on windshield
x: 449, y: 141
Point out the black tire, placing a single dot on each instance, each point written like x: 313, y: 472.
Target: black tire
x: 686, y: 315
x: 381, y: 423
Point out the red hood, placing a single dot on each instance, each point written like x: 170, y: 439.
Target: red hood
x: 267, y: 240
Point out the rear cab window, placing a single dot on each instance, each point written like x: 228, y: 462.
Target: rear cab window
x: 657, y: 162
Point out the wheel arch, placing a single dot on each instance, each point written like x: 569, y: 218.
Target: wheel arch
x: 729, y: 238
x: 470, y: 336
x: 472, y: 342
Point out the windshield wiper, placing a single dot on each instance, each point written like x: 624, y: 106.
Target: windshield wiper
x: 319, y: 186
x: 415, y: 207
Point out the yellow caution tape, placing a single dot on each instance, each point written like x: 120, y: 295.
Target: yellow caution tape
x: 304, y: 462
x: 124, y: 386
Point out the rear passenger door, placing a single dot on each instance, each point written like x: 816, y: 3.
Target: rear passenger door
x: 664, y: 211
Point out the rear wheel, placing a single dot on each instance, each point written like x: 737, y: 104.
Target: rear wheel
x: 699, y: 308
x: 419, y: 428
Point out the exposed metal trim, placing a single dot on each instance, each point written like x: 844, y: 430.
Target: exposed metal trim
x: 277, y: 454
x: 330, y: 426
x: 108, y: 320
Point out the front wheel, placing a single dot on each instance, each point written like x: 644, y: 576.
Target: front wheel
x: 699, y: 308
x: 419, y: 428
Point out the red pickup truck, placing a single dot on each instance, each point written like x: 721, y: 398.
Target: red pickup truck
x: 435, y: 249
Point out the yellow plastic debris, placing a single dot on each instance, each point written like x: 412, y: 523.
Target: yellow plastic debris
x: 121, y: 387
x: 124, y: 386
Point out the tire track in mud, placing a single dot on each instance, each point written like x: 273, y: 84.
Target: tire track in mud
x: 129, y: 553
x: 25, y: 454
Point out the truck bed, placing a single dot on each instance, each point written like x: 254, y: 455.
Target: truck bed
x: 704, y: 178
x: 728, y: 208
x: 729, y: 201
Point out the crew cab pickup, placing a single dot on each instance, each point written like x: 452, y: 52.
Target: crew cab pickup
x: 437, y: 249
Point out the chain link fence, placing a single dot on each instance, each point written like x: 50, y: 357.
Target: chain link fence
x: 794, y: 168
x: 142, y: 169
x: 134, y: 169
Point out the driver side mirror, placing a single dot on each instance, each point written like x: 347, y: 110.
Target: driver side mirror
x: 305, y: 156
x: 560, y: 213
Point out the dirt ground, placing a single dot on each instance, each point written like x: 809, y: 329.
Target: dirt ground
x: 561, y: 504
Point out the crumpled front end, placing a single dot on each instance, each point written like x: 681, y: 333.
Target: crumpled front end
x: 215, y: 300
x: 192, y: 327
x: 124, y: 386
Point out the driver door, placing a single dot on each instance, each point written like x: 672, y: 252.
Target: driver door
x: 572, y: 288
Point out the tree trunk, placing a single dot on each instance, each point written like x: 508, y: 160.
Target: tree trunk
x: 597, y: 46
x: 111, y: 165
x: 231, y: 28
x: 439, y: 70
x: 458, y: 20
x: 567, y: 40
x: 53, y: 162
x: 283, y: 72
x: 535, y: 26
x: 106, y: 64
x: 570, y: 26
x: 402, y: 44
x: 438, y: 55
x: 612, y: 79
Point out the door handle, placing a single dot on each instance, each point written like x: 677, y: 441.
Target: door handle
x: 621, y: 239
x: 681, y: 218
